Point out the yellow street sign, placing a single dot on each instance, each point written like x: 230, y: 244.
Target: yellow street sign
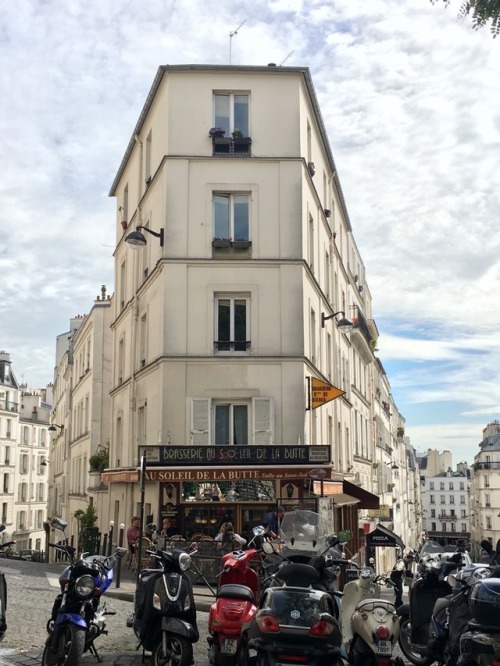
x: 321, y: 392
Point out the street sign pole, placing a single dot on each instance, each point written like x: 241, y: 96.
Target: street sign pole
x: 139, y: 547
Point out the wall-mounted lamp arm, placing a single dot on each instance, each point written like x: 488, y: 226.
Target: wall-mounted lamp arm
x: 137, y: 239
x: 344, y: 325
x: 52, y: 427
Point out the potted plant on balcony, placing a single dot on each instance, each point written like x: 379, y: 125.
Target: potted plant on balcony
x: 241, y: 143
x: 99, y: 460
x: 216, y: 132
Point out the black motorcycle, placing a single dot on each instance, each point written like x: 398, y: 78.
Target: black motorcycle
x: 475, y: 633
x: 77, y: 617
x: 297, y: 619
x: 3, y: 591
x: 164, y: 618
x: 423, y: 634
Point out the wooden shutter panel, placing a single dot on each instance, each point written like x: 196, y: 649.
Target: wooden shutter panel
x: 262, y: 421
x: 200, y: 421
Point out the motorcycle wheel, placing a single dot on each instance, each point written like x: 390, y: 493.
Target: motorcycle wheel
x: 179, y: 652
x: 69, y: 650
x: 414, y: 653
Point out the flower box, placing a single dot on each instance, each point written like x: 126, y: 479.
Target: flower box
x: 221, y: 242
x: 241, y: 244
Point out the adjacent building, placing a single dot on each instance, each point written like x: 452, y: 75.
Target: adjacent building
x: 24, y: 445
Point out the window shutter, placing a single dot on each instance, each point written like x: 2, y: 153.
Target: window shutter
x: 262, y: 421
x: 200, y: 421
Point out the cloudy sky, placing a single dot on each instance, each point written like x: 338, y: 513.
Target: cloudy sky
x: 410, y: 101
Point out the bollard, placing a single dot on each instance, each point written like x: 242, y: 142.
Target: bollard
x: 110, y: 542
x: 119, y: 564
x: 105, y: 543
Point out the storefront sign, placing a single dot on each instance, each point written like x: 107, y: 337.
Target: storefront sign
x: 255, y: 474
x: 235, y: 455
x: 383, y: 512
x: 321, y: 392
x: 128, y: 476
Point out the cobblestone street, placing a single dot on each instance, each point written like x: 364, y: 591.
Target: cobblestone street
x: 32, y: 588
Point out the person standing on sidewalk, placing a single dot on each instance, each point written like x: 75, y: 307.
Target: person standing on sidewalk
x: 401, y: 570
x: 133, y: 534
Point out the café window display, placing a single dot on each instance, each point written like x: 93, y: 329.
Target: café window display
x: 207, y: 505
x: 229, y: 491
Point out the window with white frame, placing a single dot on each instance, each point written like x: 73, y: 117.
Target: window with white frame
x: 232, y: 323
x: 231, y: 112
x: 231, y: 216
x: 231, y: 422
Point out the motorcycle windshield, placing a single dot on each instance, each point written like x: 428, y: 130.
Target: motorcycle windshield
x: 304, y: 531
x: 431, y: 548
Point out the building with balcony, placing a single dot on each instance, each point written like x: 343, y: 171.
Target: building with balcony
x: 446, y: 511
x: 485, y: 488
x: 225, y: 315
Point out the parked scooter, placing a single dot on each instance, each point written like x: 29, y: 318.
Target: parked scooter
x: 235, y: 605
x: 370, y: 625
x: 295, y: 622
x: 164, y: 618
x: 3, y: 591
x: 423, y: 633
x: 306, y: 541
x: 77, y: 617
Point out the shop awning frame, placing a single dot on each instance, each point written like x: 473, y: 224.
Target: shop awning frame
x: 366, y: 499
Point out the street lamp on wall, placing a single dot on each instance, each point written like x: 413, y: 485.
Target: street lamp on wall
x: 137, y: 239
x: 53, y: 427
x: 344, y: 325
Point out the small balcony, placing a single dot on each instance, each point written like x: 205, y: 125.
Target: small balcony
x: 222, y: 145
x: 232, y: 345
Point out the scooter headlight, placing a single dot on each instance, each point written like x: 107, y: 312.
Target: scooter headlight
x: 366, y: 573
x: 84, y: 587
x: 184, y: 561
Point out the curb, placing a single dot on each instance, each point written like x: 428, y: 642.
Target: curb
x: 203, y: 603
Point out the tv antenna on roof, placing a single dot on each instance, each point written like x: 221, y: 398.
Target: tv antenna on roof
x: 285, y: 59
x: 231, y: 35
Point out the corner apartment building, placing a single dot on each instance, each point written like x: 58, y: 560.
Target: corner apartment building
x: 227, y: 316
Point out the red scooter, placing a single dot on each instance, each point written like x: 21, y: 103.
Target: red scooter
x: 234, y: 607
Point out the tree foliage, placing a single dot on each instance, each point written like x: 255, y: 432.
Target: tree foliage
x: 481, y: 11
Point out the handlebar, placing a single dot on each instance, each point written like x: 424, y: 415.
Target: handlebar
x: 7, y: 544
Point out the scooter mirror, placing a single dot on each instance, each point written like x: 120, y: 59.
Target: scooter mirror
x: 2, y: 527
x: 151, y: 528
x: 258, y: 530
x: 121, y: 552
x: 58, y: 524
x: 267, y: 547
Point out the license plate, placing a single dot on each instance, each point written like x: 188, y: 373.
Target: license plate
x: 383, y: 647
x: 229, y: 646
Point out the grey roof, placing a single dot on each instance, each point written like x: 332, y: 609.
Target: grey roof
x: 490, y: 443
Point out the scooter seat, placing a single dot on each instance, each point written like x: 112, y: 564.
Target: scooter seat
x: 235, y: 591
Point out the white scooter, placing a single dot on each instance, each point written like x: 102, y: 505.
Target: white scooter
x: 370, y: 625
